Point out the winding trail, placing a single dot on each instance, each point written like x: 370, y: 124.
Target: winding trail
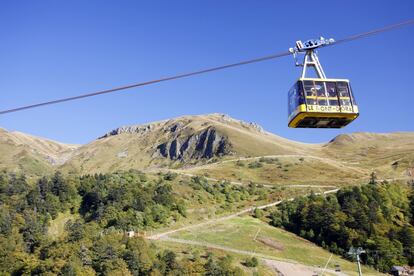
x: 264, y: 185
x: 284, y: 266
x: 335, y: 163
x: 211, y: 221
x: 280, y: 266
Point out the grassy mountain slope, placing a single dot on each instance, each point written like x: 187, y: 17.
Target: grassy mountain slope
x: 390, y: 154
x: 284, y: 170
x: 248, y: 234
x: 220, y: 147
x: 33, y: 155
x: 179, y: 142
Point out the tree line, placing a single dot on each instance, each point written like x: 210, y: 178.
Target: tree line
x: 378, y: 217
x: 102, y: 207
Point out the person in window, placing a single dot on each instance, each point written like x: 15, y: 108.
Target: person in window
x: 343, y: 90
x: 321, y: 91
x: 332, y: 92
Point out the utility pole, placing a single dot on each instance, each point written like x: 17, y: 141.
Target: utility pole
x: 356, y: 252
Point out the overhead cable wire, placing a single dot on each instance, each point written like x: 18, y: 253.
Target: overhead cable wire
x: 184, y: 75
x: 374, y: 32
x: 203, y: 71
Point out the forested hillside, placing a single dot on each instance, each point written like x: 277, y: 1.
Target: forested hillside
x: 96, y: 211
x: 378, y: 217
x: 67, y: 208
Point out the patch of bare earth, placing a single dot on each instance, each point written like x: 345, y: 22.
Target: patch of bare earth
x: 289, y: 269
x: 271, y: 243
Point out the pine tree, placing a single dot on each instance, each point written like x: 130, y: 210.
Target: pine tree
x: 373, y: 178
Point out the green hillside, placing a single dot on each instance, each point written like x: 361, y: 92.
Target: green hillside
x: 377, y: 217
x: 257, y: 238
x: 183, y: 183
x: 48, y: 223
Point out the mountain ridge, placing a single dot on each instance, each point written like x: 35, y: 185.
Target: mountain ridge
x: 191, y: 141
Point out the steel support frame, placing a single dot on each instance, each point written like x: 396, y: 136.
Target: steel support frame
x: 311, y: 60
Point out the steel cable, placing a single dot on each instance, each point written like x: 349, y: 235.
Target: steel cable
x: 207, y: 70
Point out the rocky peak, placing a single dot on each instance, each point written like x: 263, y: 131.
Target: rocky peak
x: 255, y: 126
x: 173, y: 126
x: 177, y: 124
x: 226, y: 118
x: 137, y: 129
x: 203, y: 145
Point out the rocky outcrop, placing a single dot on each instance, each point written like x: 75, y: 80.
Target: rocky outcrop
x: 173, y: 127
x: 176, y: 125
x: 204, y: 145
x: 253, y: 125
x: 166, y: 126
x: 138, y: 129
x: 224, y: 118
x: 187, y: 138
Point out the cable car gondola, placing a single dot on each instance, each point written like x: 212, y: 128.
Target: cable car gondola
x: 319, y: 102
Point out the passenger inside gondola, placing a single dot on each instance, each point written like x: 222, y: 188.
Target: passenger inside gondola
x: 316, y: 103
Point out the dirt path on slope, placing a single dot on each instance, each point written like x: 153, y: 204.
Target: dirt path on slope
x: 287, y: 268
x: 211, y: 221
x: 335, y: 163
x: 264, y: 185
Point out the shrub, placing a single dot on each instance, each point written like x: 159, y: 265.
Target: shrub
x: 239, y: 163
x: 255, y: 165
x: 170, y: 176
x: 258, y: 213
x: 251, y: 262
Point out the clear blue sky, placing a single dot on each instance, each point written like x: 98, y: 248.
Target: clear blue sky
x: 53, y: 49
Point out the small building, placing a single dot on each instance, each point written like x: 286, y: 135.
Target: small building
x: 132, y: 234
x: 401, y: 270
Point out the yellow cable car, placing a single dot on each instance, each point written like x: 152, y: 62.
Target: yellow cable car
x: 319, y: 102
